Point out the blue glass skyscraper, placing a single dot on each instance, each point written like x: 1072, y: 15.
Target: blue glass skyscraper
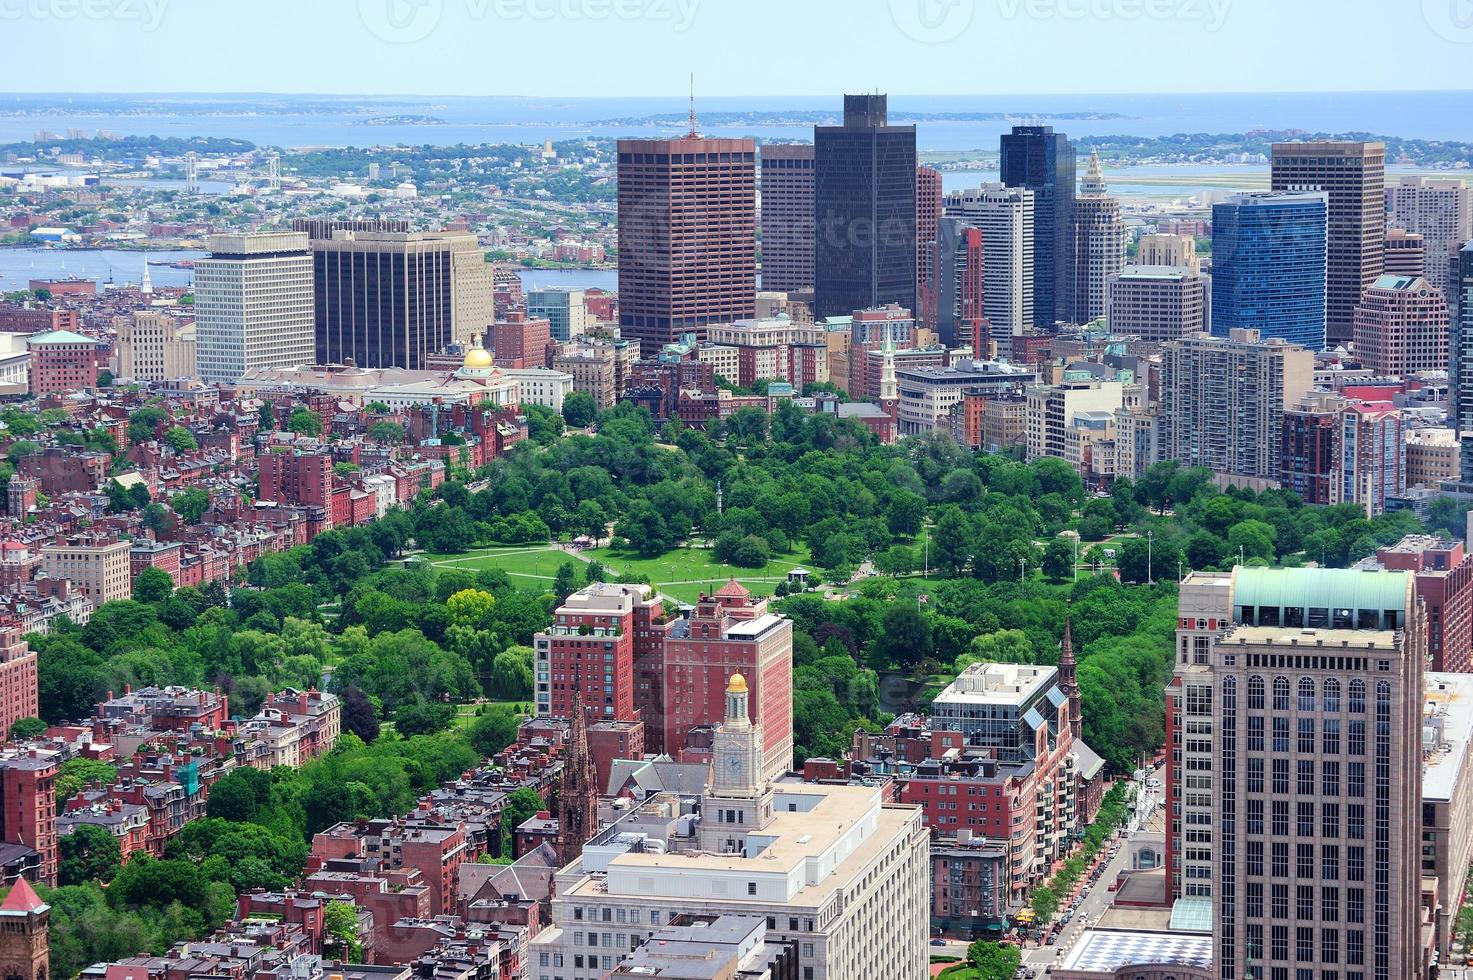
x: 1269, y: 265
x: 1042, y: 160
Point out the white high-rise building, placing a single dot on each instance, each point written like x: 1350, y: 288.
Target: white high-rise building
x: 1441, y: 211
x: 1005, y: 215
x: 253, y: 304
x: 832, y: 869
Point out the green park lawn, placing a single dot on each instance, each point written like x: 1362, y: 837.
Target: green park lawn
x: 682, y: 574
x: 685, y: 573
x: 465, y: 714
x: 520, y: 562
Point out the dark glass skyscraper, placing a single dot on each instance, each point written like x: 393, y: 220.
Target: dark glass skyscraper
x: 1460, y: 371
x: 864, y: 211
x: 1042, y: 160
x: 1268, y: 265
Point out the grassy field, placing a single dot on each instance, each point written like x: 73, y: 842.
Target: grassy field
x: 521, y: 562
x: 465, y: 714
x: 687, y: 572
x: 682, y: 574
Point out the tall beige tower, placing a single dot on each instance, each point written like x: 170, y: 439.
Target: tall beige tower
x: 1099, y: 245
x: 1317, y: 777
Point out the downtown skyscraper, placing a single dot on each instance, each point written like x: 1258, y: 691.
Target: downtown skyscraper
x: 1268, y: 265
x: 1098, y: 238
x: 1042, y: 160
x: 391, y: 299
x: 687, y: 236
x: 1353, y: 175
x: 253, y: 304
x: 787, y: 217
x: 865, y: 252
x: 1460, y: 368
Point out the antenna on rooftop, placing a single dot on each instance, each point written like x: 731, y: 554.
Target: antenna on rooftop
x: 692, y: 134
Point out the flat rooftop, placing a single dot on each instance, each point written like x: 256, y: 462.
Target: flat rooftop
x: 834, y: 834
x: 1447, y: 727
x: 1291, y: 636
x: 1012, y: 684
x: 1107, y: 950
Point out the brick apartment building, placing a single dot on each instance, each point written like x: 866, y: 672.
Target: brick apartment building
x: 520, y: 341
x: 28, y: 817
x: 18, y: 677
x: 62, y: 362
x: 729, y: 632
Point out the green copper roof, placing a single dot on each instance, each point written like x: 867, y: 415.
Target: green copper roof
x: 1321, y: 588
x: 59, y: 337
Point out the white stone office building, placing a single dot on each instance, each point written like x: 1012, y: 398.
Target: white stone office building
x: 253, y: 304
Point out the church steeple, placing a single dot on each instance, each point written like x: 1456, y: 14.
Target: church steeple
x: 889, y: 394
x: 577, y: 819
x: 1068, y: 682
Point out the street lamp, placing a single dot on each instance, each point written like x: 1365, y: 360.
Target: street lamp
x: 1150, y: 578
x: 1022, y: 569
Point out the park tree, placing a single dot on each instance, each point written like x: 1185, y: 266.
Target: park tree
x: 994, y: 961
x: 1058, y: 559
x: 511, y: 674
x: 358, y: 714
x: 152, y: 585
x: 494, y: 729
x: 905, y: 637
x: 420, y: 717
x: 579, y: 409
x: 470, y: 607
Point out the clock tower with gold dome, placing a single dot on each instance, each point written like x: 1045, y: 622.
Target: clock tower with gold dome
x: 738, y: 799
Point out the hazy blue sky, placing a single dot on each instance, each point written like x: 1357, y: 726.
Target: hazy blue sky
x: 735, y: 47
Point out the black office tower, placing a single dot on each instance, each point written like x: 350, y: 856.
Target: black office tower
x: 864, y: 194
x: 1042, y: 160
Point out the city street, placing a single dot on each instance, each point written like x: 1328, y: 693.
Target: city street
x: 1088, y: 910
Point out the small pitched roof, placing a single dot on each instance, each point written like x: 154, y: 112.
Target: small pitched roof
x: 59, y: 337
x: 733, y: 589
x: 22, y: 898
